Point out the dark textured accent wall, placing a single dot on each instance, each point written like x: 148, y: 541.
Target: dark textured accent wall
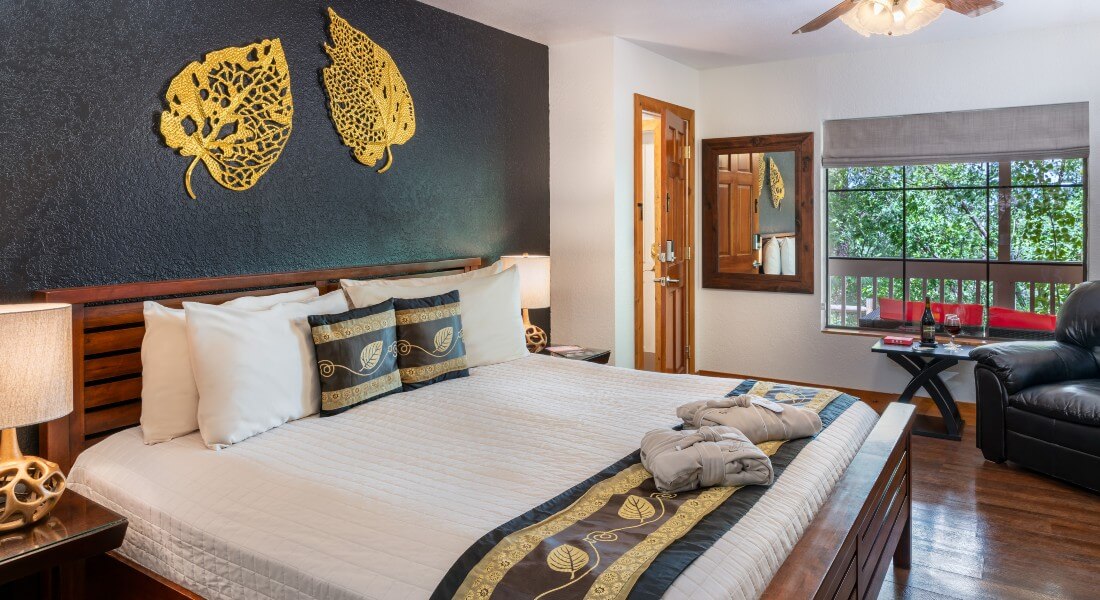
x: 89, y: 193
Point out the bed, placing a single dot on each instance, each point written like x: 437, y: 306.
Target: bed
x: 380, y: 501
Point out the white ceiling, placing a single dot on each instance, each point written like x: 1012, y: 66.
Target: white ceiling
x: 715, y: 33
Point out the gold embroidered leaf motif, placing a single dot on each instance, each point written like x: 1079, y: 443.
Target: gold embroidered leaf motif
x: 443, y: 339
x: 368, y: 99
x: 567, y: 558
x: 232, y: 111
x: 777, y: 184
x: 370, y: 355
x: 636, y: 508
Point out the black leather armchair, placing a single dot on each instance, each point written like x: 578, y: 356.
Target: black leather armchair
x: 1039, y: 402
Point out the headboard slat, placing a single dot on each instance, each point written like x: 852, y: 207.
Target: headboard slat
x: 105, y: 394
x: 112, y: 417
x: 109, y: 367
x: 108, y: 328
x: 113, y: 340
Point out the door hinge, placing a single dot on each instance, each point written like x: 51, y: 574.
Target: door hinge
x: 687, y: 252
x: 687, y: 351
x: 687, y: 152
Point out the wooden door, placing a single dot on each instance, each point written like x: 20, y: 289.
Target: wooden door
x: 671, y: 267
x: 738, y: 213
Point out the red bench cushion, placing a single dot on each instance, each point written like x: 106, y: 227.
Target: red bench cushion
x: 969, y: 314
x: 1006, y: 318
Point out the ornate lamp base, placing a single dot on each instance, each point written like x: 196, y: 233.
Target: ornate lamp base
x: 536, y: 337
x: 29, y: 486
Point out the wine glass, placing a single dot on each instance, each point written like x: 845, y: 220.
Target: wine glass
x: 953, y: 326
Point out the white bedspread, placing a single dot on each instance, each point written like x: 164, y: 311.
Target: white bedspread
x: 379, y: 502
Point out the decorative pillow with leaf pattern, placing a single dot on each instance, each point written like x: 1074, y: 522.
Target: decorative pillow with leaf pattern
x: 429, y: 340
x: 356, y: 356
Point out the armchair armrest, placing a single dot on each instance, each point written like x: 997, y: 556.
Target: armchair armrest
x: 1021, y: 365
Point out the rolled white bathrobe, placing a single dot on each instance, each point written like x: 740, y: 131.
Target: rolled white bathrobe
x: 757, y: 423
x: 685, y: 460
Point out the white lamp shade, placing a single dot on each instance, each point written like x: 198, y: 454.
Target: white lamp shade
x: 534, y: 279
x: 36, y: 363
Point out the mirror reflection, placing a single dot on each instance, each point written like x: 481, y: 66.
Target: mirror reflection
x: 756, y: 213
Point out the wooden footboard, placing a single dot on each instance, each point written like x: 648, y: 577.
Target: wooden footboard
x: 846, y: 550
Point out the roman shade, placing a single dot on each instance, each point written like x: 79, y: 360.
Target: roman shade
x: 1001, y: 134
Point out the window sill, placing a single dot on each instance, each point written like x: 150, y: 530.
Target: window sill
x: 973, y: 341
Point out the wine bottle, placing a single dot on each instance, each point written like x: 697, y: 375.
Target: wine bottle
x: 927, y: 325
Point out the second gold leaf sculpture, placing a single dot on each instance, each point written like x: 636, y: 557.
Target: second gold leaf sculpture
x: 369, y: 101
x: 778, y: 189
x: 232, y: 111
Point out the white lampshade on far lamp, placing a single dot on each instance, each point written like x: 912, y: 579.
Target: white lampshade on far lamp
x: 534, y: 282
x: 36, y: 385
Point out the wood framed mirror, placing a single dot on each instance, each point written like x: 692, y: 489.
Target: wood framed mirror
x: 758, y: 213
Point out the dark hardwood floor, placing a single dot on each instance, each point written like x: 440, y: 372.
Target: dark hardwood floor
x: 982, y: 530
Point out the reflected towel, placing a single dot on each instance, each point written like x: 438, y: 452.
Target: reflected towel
x: 757, y: 423
x: 704, y: 457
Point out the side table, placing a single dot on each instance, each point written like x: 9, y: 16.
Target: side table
x: 925, y: 365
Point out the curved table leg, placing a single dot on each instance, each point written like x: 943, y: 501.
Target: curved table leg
x: 926, y: 374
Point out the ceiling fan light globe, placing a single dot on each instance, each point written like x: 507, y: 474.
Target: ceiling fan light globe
x: 924, y: 17
x: 871, y: 18
x: 881, y: 17
x: 850, y: 19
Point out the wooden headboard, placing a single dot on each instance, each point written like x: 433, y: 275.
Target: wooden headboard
x: 108, y: 327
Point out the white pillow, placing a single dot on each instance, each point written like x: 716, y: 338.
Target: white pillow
x: 771, y: 257
x: 430, y: 281
x: 255, y: 370
x: 492, y: 322
x: 169, y: 398
x: 788, y: 255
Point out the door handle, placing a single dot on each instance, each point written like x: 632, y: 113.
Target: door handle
x: 665, y: 280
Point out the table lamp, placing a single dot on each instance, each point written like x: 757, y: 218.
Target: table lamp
x: 534, y: 284
x: 36, y: 385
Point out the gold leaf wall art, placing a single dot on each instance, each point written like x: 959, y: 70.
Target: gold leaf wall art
x: 369, y: 101
x: 232, y: 111
x: 778, y: 191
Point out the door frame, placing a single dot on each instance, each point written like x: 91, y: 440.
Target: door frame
x: 643, y: 104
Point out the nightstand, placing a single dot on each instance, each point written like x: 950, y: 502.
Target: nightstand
x: 586, y: 354
x: 76, y: 529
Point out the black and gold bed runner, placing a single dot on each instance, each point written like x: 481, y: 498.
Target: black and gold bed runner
x: 615, y: 536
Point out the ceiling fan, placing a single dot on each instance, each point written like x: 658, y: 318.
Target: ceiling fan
x: 895, y: 17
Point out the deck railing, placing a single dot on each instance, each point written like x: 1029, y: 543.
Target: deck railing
x: 1042, y: 286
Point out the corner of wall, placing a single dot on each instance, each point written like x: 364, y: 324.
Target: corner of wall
x: 592, y: 87
x: 581, y: 216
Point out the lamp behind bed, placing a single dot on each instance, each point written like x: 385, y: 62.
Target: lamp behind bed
x: 534, y: 283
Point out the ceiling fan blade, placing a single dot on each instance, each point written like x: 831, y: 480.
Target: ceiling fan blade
x: 972, y: 8
x: 827, y: 17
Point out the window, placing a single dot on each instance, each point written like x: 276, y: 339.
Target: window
x: 1001, y: 244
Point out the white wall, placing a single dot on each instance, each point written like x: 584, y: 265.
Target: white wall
x: 582, y: 191
x: 779, y: 335
x: 592, y: 87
